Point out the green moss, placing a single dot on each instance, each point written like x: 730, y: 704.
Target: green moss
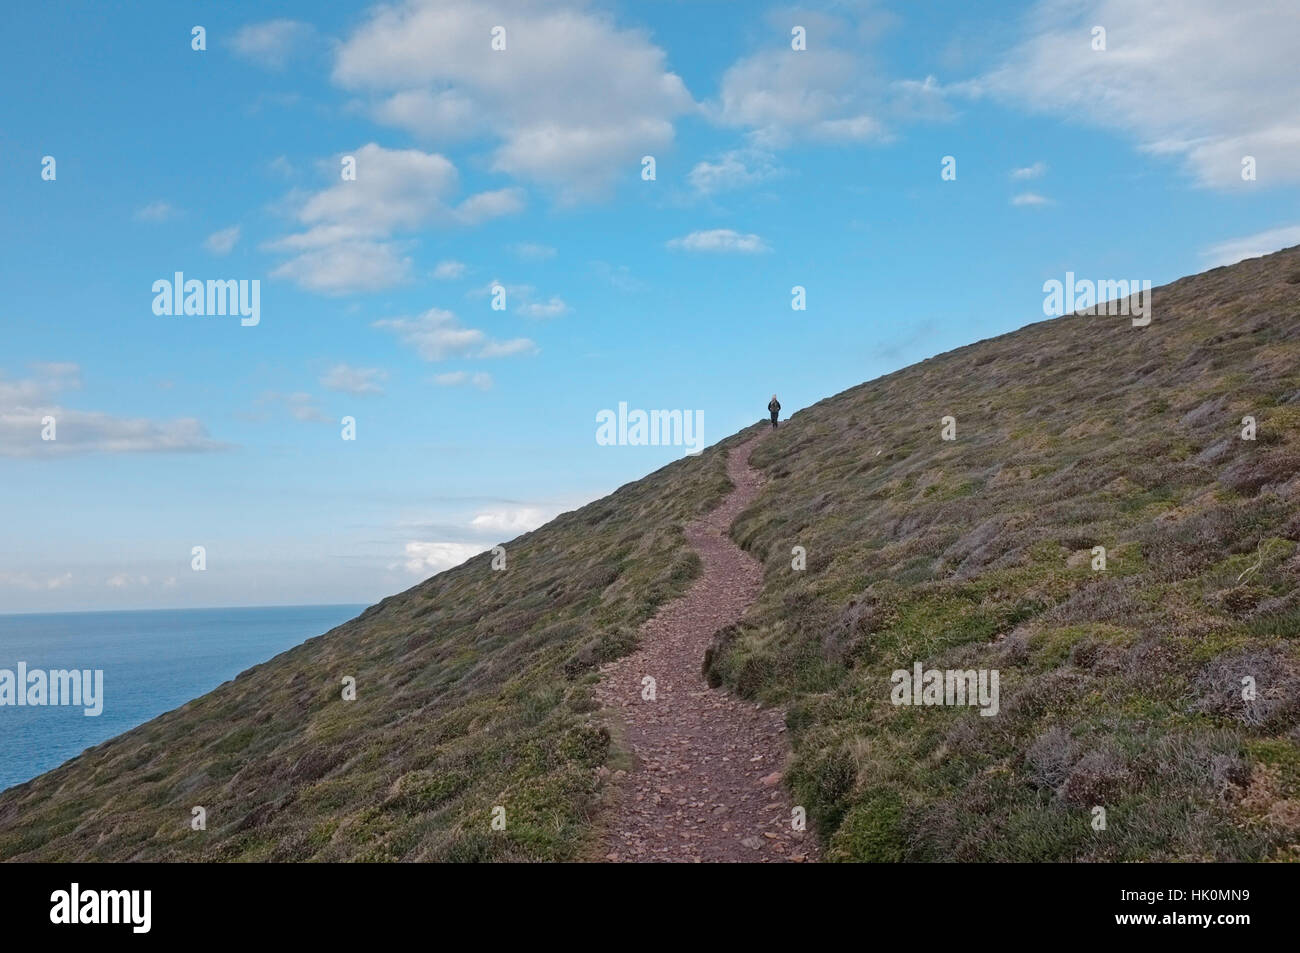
x: 872, y: 830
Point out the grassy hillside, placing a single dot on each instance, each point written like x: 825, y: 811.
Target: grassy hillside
x: 474, y: 690
x: 1119, y: 688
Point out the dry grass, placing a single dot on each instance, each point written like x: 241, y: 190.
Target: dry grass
x: 1119, y: 689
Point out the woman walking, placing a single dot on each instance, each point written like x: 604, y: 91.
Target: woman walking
x: 774, y: 406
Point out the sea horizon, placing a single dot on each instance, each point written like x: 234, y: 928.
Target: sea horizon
x: 152, y: 661
x: 268, y: 605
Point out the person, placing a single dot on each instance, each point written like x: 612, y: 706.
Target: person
x: 774, y: 406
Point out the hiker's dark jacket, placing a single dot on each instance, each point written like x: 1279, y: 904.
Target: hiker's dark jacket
x: 774, y: 405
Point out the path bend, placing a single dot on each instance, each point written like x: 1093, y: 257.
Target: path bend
x: 706, y: 783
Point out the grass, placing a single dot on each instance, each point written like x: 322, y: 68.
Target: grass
x: 474, y: 691
x: 1120, y: 689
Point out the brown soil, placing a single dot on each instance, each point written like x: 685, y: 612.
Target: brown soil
x: 706, y: 785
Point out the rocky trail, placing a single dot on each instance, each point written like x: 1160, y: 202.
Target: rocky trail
x: 706, y: 784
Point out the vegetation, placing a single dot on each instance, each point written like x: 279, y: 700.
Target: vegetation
x: 474, y: 691
x: 1120, y: 688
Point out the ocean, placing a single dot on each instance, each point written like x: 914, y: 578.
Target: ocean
x: 153, y: 661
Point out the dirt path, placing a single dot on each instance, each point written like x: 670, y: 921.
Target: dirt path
x: 707, y: 781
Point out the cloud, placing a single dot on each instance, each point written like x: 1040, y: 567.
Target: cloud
x: 488, y: 205
x: 508, y: 348
x: 525, y: 299
x: 1034, y: 171
x: 394, y: 188
x: 357, y: 381
x: 511, y: 521
x: 346, y: 245
x: 1200, y: 80
x: 831, y: 92
x: 505, y: 522
x: 532, y: 251
x: 1251, y: 246
x: 544, y: 309
x: 480, y: 379
x: 347, y: 267
x: 720, y: 240
x: 736, y: 169
x: 25, y: 404
x: 572, y: 103
x: 301, y: 406
x: 124, y: 580
x: 449, y: 270
x: 158, y: 211
x: 1030, y: 198
x: 435, y: 557
x: 222, y: 242
x: 438, y: 335
x: 24, y: 580
x: 273, y: 43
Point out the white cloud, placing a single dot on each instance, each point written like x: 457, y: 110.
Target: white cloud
x: 1201, y: 80
x: 572, y: 103
x: 158, y: 211
x: 544, y: 309
x: 508, y: 348
x: 720, y: 240
x: 1251, y: 246
x: 479, y: 379
x: 222, y: 242
x: 438, y: 335
x: 394, y: 188
x: 850, y: 129
x: 511, y: 521
x: 347, y: 244
x: 24, y: 580
x: 1034, y: 171
x: 124, y: 580
x: 449, y: 270
x: 273, y: 43
x: 301, y: 406
x: 1030, y: 198
x: 783, y: 96
x: 435, y: 557
x: 488, y: 205
x: 25, y: 403
x: 532, y: 251
x: 358, y: 381
x: 736, y: 169
x: 347, y: 267
x: 525, y: 299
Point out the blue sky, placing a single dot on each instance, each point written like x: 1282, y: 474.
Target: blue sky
x: 774, y: 168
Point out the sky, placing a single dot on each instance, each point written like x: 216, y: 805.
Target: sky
x: 515, y: 159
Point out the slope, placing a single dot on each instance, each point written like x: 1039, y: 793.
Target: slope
x: 1120, y: 688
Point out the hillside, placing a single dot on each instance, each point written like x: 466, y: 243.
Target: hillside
x: 1119, y: 688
